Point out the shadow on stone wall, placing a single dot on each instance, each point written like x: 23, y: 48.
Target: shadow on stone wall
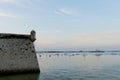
x: 21, y: 77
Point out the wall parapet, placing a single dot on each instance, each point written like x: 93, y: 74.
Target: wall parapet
x: 31, y: 36
x: 5, y: 35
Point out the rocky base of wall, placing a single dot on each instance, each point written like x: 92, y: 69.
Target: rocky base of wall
x: 14, y: 72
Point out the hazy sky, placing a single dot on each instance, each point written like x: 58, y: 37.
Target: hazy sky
x: 64, y: 24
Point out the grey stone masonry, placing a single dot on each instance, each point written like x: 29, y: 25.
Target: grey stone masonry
x: 17, y: 53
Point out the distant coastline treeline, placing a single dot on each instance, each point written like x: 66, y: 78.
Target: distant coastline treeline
x: 96, y: 51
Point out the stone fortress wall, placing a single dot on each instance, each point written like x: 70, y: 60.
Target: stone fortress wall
x: 17, y: 53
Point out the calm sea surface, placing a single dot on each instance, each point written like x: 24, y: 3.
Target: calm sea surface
x: 74, y: 66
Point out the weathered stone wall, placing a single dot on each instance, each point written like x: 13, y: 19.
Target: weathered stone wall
x: 17, y: 54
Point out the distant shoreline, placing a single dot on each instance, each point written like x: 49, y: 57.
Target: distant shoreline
x: 96, y: 51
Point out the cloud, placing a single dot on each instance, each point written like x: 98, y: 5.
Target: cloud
x: 105, y: 39
x: 6, y: 1
x: 68, y: 11
x: 99, y: 40
x: 9, y: 15
x: 51, y: 31
x: 47, y: 42
x: 21, y: 3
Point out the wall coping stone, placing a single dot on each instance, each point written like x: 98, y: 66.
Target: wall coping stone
x: 7, y: 35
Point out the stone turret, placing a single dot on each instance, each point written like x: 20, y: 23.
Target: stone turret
x: 33, y: 36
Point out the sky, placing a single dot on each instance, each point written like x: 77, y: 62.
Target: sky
x: 64, y: 24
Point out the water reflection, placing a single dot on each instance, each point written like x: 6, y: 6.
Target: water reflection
x: 79, y: 66
x: 21, y: 77
x: 98, y: 54
x: 76, y: 54
x: 71, y: 54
